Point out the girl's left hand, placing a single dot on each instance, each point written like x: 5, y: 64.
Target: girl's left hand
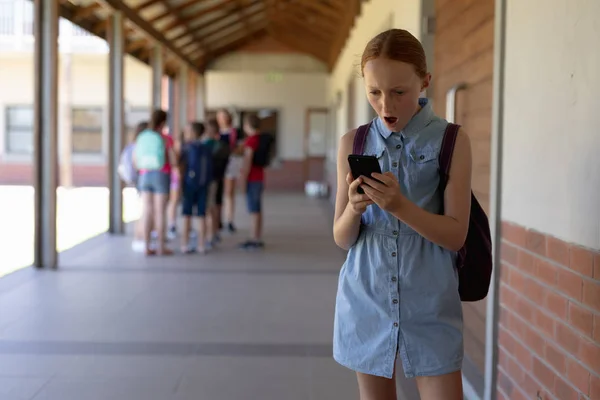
x: 386, y: 193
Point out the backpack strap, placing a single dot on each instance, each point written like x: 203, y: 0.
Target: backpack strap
x: 446, y: 152
x: 360, y: 139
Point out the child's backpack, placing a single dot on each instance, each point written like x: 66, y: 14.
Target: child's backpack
x: 474, y: 261
x: 221, y: 154
x: 149, y: 151
x: 198, y: 164
x: 263, y: 154
x: 126, y: 169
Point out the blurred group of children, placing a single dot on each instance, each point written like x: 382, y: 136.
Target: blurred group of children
x: 199, y: 172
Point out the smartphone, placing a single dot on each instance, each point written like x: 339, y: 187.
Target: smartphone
x: 363, y: 166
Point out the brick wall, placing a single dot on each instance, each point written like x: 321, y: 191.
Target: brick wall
x: 549, y: 333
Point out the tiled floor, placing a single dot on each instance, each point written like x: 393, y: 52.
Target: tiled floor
x: 113, y: 325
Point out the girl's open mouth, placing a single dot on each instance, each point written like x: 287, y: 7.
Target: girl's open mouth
x: 390, y: 120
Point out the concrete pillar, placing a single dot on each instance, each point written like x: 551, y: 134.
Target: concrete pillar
x: 45, y: 132
x: 157, y: 76
x: 182, y: 100
x: 116, y: 118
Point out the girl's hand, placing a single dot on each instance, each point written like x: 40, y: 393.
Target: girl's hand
x: 386, y: 193
x: 358, y: 202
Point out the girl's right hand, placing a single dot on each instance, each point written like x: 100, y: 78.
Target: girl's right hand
x: 358, y: 202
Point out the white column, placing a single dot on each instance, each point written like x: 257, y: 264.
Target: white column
x: 182, y: 82
x: 45, y: 132
x: 116, y: 118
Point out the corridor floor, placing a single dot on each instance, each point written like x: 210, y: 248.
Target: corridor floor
x: 230, y: 325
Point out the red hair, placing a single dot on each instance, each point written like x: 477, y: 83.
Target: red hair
x: 397, y: 45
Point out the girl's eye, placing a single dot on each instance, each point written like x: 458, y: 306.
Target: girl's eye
x: 398, y: 92
x: 374, y: 92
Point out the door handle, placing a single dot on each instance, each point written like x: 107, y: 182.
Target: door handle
x: 451, y: 101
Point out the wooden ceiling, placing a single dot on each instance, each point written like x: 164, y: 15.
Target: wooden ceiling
x: 197, y: 32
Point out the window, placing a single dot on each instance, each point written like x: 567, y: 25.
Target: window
x: 19, y: 129
x: 87, y: 130
x: 133, y: 117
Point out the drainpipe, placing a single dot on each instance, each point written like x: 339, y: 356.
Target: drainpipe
x: 491, y: 340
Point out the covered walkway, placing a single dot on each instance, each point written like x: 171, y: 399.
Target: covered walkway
x: 115, y: 325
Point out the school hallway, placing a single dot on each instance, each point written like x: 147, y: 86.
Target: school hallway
x: 112, y: 324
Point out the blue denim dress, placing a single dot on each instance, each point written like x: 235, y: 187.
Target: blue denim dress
x: 397, y: 291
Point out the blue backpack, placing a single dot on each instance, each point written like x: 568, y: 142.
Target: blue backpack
x: 198, y: 164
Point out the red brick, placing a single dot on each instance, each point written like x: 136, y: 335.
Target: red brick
x: 564, y: 391
x: 505, y: 383
x: 570, y: 283
x: 543, y: 374
x: 555, y: 358
x: 525, y: 309
x: 594, y: 387
x: 581, y: 319
x: 500, y: 395
x: 536, y: 242
x: 517, y: 281
x: 597, y: 266
x: 534, y: 341
x: 544, y: 323
x: 525, y: 262
x: 557, y: 250
x: 545, y: 272
x: 589, y: 354
x: 523, y: 356
x: 534, y: 291
x: 530, y: 386
x: 582, y: 261
x: 567, y: 338
x: 509, y: 253
x: 518, y: 395
x: 517, y: 327
x: 504, y: 272
x: 556, y: 304
x: 514, y: 234
x: 579, y: 376
x: 596, y: 335
x: 503, y: 359
x: 591, y: 294
x: 506, y: 341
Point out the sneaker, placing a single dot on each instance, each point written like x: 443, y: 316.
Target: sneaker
x: 250, y: 245
x: 172, y: 233
x: 231, y: 228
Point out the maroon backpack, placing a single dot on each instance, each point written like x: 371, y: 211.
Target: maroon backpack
x: 474, y: 259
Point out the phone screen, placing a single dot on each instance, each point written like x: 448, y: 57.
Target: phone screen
x: 363, y: 166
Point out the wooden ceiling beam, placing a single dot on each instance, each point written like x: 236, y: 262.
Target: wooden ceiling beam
x: 85, y: 12
x: 231, y: 46
x: 146, y: 4
x: 326, y: 32
x: 354, y: 7
x: 217, y: 28
x: 136, y: 45
x: 178, y: 8
x: 331, y: 14
x: 212, y: 22
x: 201, y: 13
x: 306, y: 17
x: 305, y: 46
x: 301, y: 28
x: 147, y: 28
